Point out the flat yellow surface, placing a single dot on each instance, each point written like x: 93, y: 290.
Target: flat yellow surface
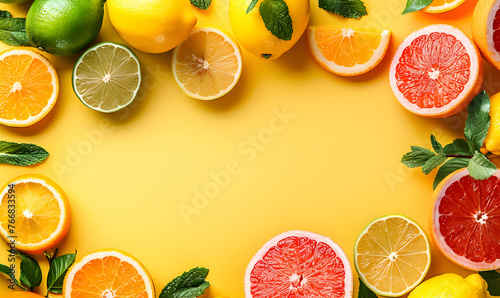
x: 291, y: 147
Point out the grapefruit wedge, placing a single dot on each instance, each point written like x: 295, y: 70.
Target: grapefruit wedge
x: 486, y: 30
x: 436, y: 71
x: 299, y: 264
x: 466, y: 220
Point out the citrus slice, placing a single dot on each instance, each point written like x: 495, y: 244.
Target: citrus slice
x: 29, y: 87
x: 436, y: 71
x: 107, y: 77
x: 486, y: 30
x: 466, y: 220
x: 439, y: 6
x: 108, y: 274
x: 207, y: 65
x: 392, y: 255
x: 299, y: 264
x: 34, y: 212
x: 348, y: 52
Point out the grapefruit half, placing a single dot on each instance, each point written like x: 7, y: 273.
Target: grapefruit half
x: 466, y: 220
x: 486, y: 30
x: 299, y: 264
x: 436, y: 71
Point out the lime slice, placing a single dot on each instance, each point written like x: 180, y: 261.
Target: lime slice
x: 107, y: 77
x: 392, y: 255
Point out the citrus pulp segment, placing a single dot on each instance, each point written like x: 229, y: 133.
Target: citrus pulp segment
x: 466, y: 220
x: 108, y: 273
x: 208, y: 64
x: 35, y: 210
x: 29, y: 87
x: 107, y: 77
x: 486, y: 30
x: 299, y: 264
x: 348, y: 52
x: 392, y: 255
x: 439, y: 6
x: 436, y: 71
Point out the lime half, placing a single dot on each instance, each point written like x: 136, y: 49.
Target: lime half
x: 107, y: 77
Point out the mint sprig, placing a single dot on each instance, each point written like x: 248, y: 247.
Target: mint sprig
x: 277, y: 18
x: 201, y: 4
x: 190, y: 284
x: 416, y: 5
x: 13, y: 30
x: 492, y: 278
x: 364, y: 291
x: 345, y: 8
x: 58, y: 268
x: 462, y: 152
x: 21, y: 154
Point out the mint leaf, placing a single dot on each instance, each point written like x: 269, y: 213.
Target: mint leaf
x: 492, y: 278
x: 416, y: 5
x: 201, y: 4
x: 417, y: 157
x: 31, y: 274
x: 345, y: 8
x: 433, y: 163
x: 6, y: 270
x: 478, y: 121
x: 13, y: 30
x: 189, y: 285
x: 458, y: 147
x: 480, y: 167
x: 251, y: 6
x: 21, y: 154
x: 449, y: 167
x: 438, y: 148
x: 277, y: 18
x: 58, y: 269
x: 364, y: 291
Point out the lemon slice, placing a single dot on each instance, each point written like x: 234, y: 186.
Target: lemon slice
x: 392, y: 255
x: 107, y: 77
x: 439, y: 6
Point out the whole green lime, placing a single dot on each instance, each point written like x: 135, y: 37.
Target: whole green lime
x: 64, y: 27
x: 14, y: 1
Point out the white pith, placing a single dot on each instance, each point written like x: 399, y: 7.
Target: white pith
x: 474, y: 73
x: 495, y: 55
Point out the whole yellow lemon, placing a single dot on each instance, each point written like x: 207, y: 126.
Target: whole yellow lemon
x: 152, y: 26
x: 492, y: 141
x: 452, y: 285
x: 252, y: 34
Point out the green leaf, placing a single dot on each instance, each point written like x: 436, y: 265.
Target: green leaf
x: 189, y: 282
x: 345, y: 8
x: 13, y: 30
x: 364, y: 291
x: 21, y: 154
x: 480, y: 167
x: 433, y: 163
x: 438, y: 148
x: 201, y: 4
x: 6, y: 270
x: 416, y: 5
x: 458, y: 147
x: 58, y: 268
x: 251, y: 6
x: 449, y: 167
x: 277, y: 18
x: 478, y: 121
x: 31, y: 274
x: 492, y: 278
x: 417, y: 157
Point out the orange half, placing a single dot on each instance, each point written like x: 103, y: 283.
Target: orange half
x: 29, y: 87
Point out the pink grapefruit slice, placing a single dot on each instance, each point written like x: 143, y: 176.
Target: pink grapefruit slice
x: 486, y: 30
x: 436, y: 71
x: 299, y: 264
x: 466, y: 220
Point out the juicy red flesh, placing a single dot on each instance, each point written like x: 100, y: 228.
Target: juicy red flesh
x: 433, y: 70
x: 298, y: 267
x: 496, y: 29
x: 469, y: 218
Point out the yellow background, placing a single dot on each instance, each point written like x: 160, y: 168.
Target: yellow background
x: 330, y: 170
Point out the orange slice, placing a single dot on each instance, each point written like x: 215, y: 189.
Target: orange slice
x: 207, y: 65
x: 108, y: 274
x: 34, y: 212
x: 28, y: 87
x: 439, y: 6
x: 348, y: 52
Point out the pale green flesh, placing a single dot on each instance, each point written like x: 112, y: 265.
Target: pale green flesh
x: 107, y: 62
